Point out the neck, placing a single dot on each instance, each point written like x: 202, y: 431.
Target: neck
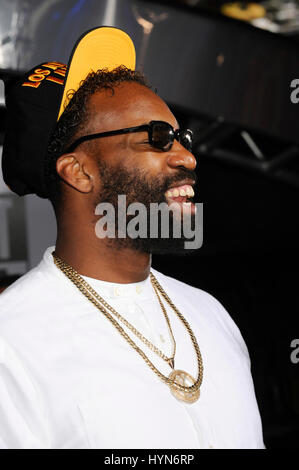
x: 101, y: 260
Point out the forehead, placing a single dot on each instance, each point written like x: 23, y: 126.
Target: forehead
x: 131, y: 105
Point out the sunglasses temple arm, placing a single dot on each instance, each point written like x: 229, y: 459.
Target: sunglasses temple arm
x: 86, y: 138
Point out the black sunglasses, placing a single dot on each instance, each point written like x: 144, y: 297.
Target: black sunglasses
x: 161, y: 136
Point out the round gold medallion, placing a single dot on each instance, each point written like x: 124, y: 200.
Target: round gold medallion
x: 181, y: 377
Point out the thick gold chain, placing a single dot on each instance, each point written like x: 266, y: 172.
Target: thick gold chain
x: 92, y: 295
x: 198, y: 381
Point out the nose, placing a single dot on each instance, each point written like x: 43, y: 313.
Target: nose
x: 180, y: 156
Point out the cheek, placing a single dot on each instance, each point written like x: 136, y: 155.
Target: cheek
x: 151, y: 163
x: 122, y: 155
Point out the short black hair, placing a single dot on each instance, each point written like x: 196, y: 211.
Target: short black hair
x: 74, y: 118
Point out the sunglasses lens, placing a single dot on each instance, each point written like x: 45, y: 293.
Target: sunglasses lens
x: 185, y: 138
x: 162, y: 135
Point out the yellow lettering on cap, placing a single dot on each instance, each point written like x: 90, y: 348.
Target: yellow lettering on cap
x: 33, y: 85
x: 42, y: 71
x: 60, y: 72
x: 55, y: 65
x: 55, y: 80
x: 37, y: 77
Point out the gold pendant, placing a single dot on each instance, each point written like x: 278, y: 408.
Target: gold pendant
x: 182, y: 378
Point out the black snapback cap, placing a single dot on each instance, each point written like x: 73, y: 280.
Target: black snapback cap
x: 35, y: 104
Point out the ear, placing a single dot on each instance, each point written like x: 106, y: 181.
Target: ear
x: 75, y: 172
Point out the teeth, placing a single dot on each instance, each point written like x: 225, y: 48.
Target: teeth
x: 182, y: 191
x: 191, y: 192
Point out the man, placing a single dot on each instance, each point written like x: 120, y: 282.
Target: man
x: 97, y: 349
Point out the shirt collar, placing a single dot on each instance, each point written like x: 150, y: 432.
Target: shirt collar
x: 132, y: 291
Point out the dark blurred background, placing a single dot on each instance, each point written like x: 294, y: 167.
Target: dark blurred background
x: 227, y: 72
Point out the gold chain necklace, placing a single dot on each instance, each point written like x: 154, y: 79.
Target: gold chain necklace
x: 169, y: 360
x: 177, y: 379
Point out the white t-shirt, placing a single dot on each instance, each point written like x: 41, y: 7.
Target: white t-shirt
x: 68, y: 379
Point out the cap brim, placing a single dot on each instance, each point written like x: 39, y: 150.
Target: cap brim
x: 99, y: 48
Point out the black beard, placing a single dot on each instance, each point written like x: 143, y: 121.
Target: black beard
x: 138, y: 187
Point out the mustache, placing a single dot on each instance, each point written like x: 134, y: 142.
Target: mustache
x: 181, y: 174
